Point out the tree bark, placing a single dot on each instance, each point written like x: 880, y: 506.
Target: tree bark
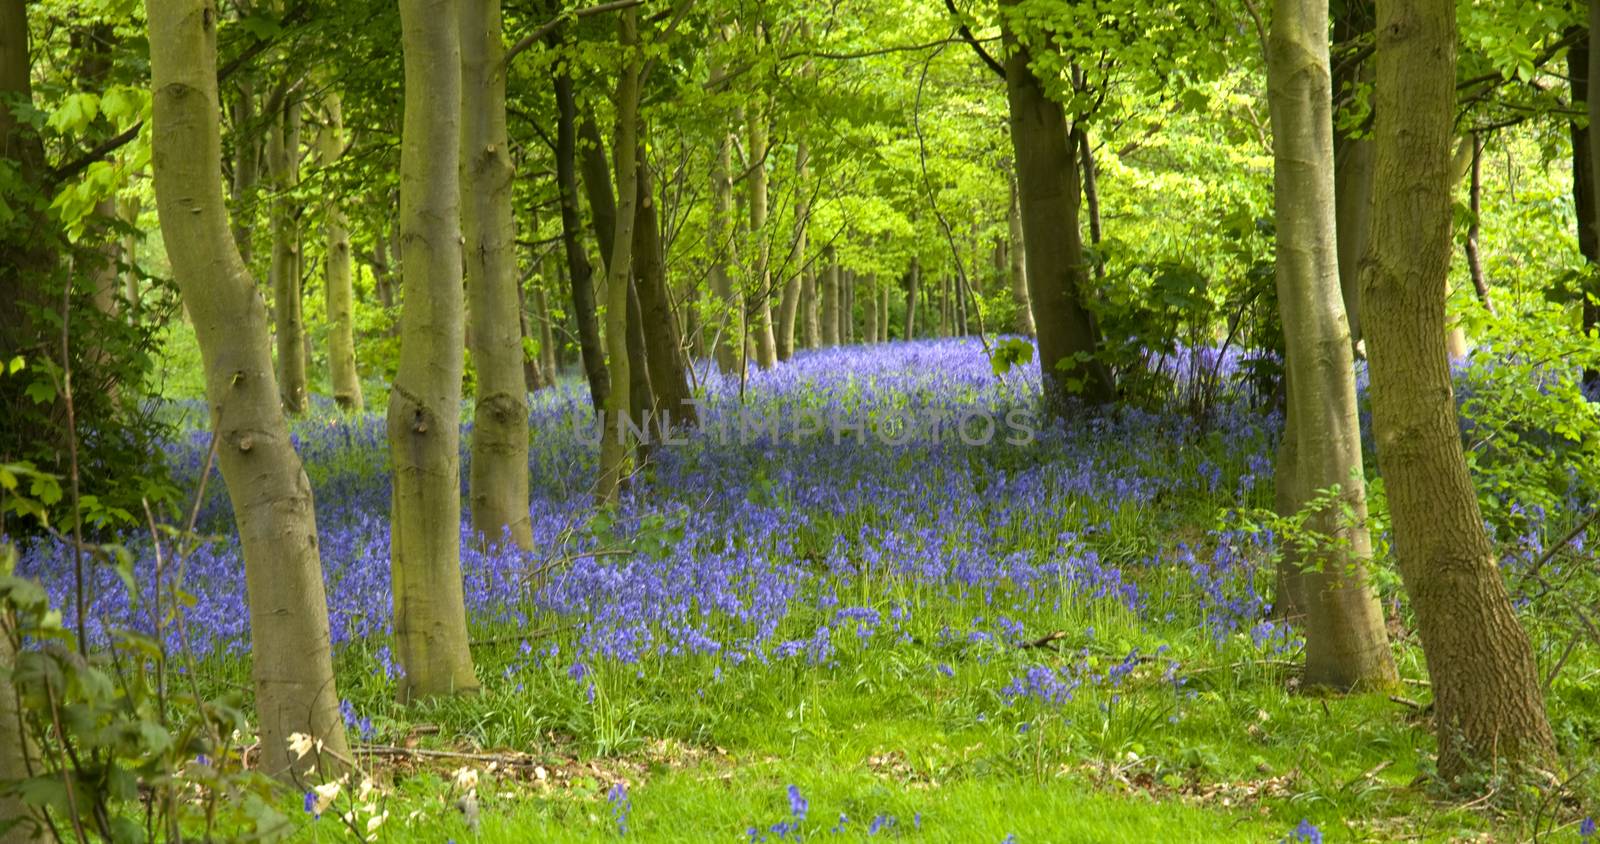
x: 614, y: 443
x: 1019, y: 265
x: 283, y: 168
x: 430, y: 617
x: 580, y: 274
x: 871, y: 315
x: 497, y: 486
x: 1591, y: 301
x: 291, y: 655
x: 761, y: 320
x: 669, y: 378
x: 1347, y: 646
x: 1480, y: 282
x: 829, y: 305
x: 730, y: 329
x: 795, y: 270
x: 913, y: 289
x: 1352, y: 160
x: 1487, y: 699
x: 1047, y: 180
x: 1091, y: 195
x: 339, y: 293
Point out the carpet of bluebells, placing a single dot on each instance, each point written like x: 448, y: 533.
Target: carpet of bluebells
x: 1076, y: 587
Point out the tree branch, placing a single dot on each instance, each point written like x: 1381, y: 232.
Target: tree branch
x: 549, y: 26
x: 972, y: 41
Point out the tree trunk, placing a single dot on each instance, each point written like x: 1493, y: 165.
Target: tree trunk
x: 1047, y: 180
x: 761, y: 319
x: 847, y: 303
x: 340, y: 296
x: 580, y: 274
x: 669, y: 380
x: 18, y: 752
x: 795, y: 269
x: 291, y: 655
x: 1346, y: 643
x: 603, y: 211
x: 1352, y: 159
x: 883, y: 316
x: 614, y: 443
x: 1583, y: 172
x: 726, y: 331
x: 829, y: 306
x: 1018, y: 275
x: 1480, y: 282
x: 871, y: 316
x: 913, y: 289
x: 246, y: 164
x: 547, y: 336
x: 1487, y: 701
x: 1091, y: 195
x: 1591, y: 302
x: 497, y: 487
x: 430, y: 617
x: 533, y: 379
x: 283, y: 168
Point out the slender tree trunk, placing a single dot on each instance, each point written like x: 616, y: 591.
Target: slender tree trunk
x: 730, y: 328
x: 1047, y: 180
x: 128, y: 210
x: 829, y: 306
x: 871, y: 316
x: 766, y: 341
x: 533, y: 378
x: 1583, y: 170
x: 1591, y: 302
x: 883, y: 316
x: 913, y: 288
x: 1487, y: 700
x: 283, y: 166
x: 669, y: 378
x: 1091, y: 195
x: 1346, y: 643
x: 246, y: 162
x: 793, y: 287
x: 430, y: 617
x: 1018, y: 271
x: 498, y: 484
x: 18, y: 752
x: 290, y: 651
x: 548, y: 346
x: 580, y: 274
x: 603, y: 210
x: 1480, y: 282
x: 340, y: 295
x: 614, y: 444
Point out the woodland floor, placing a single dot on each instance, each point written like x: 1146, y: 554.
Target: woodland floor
x: 1057, y: 641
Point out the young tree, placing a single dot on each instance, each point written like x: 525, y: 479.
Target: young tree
x: 424, y: 418
x: 614, y: 442
x: 283, y: 169
x: 580, y: 273
x: 1346, y: 644
x: 291, y: 654
x: 1487, y: 699
x: 761, y: 327
x: 1018, y: 273
x: 498, y: 483
x: 339, y: 293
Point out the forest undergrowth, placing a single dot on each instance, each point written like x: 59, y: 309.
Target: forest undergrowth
x: 1059, y: 636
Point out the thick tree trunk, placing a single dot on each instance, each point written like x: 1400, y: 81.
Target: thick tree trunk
x: 497, y: 488
x: 290, y: 651
x: 1346, y: 643
x: 1487, y: 700
x: 913, y: 289
x: 669, y: 378
x: 580, y: 274
x: 761, y: 320
x: 614, y: 444
x: 829, y: 304
x: 283, y: 168
x: 430, y: 617
x: 1047, y: 179
x: 340, y: 295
